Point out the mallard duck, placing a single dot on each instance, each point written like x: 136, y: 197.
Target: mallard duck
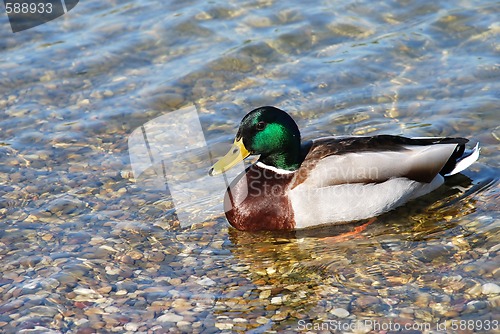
x: 330, y: 180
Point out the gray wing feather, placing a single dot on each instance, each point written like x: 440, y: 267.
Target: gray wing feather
x: 418, y: 163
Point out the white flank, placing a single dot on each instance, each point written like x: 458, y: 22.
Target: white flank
x: 349, y: 202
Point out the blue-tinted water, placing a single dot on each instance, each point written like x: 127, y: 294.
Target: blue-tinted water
x: 87, y: 248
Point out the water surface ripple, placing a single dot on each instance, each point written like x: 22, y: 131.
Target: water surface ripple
x: 85, y: 248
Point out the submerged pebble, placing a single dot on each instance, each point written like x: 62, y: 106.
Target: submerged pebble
x: 490, y: 289
x: 340, y: 312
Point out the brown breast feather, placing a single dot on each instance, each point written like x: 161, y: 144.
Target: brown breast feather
x: 257, y: 200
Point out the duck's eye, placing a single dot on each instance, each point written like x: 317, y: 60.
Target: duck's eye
x: 261, y: 125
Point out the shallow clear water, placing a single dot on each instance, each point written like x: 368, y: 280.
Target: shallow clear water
x: 84, y: 247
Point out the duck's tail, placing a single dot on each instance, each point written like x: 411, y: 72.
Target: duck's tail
x: 460, y: 160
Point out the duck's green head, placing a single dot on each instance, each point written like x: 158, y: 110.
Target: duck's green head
x: 267, y: 131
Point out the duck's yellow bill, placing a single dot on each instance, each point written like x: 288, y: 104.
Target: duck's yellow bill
x: 237, y: 153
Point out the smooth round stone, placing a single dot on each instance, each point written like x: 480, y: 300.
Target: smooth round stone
x: 128, y: 286
x: 86, y: 330
x: 98, y: 324
x: 180, y: 305
x: 340, y: 312
x: 152, y: 296
x: 170, y: 317
x: 262, y: 320
x: 98, y: 253
x: 279, y: 316
x: 105, y: 289
x: 240, y: 320
x: 76, y: 270
x: 451, y: 314
x: 30, y: 261
x: 495, y: 301
x: 131, y: 326
x: 490, y: 289
x: 112, y: 270
x: 122, y: 292
x: 424, y: 315
x: 277, y: 300
x: 476, y: 305
x: 156, y: 257
x: 112, y: 309
x: 423, y: 299
x: 65, y: 205
x: 175, y: 281
x: 367, y: 301
x: 43, y: 311
x: 206, y: 281
x: 184, y: 325
x: 224, y: 325
x: 475, y: 290
x: 49, y: 283
x: 265, y: 294
x: 10, y: 306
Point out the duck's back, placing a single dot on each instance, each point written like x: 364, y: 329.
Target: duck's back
x: 349, y: 178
